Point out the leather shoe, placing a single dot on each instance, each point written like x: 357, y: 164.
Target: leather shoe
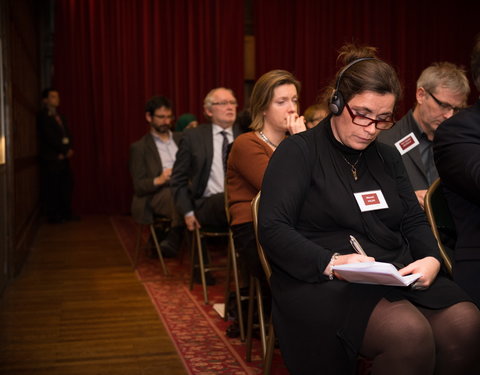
x: 167, y: 250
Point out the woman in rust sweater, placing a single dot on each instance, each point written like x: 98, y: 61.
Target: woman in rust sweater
x: 274, y: 109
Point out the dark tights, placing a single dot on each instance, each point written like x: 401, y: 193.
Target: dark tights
x: 404, y: 339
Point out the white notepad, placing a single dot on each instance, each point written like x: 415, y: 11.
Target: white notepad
x: 374, y: 273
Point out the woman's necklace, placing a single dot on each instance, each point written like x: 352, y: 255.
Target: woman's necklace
x: 264, y: 137
x: 353, y: 166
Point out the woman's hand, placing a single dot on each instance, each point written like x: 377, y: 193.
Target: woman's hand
x: 428, y: 267
x: 345, y: 259
x: 295, y: 124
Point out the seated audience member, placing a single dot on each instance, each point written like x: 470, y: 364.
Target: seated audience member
x: 244, y: 119
x: 442, y: 89
x: 151, y: 162
x: 274, y: 108
x: 314, y: 114
x: 199, y: 172
x: 334, y: 181
x: 186, y: 121
x: 457, y: 156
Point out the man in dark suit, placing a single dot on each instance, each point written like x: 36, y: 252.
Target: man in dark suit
x: 457, y: 156
x: 55, y: 151
x: 151, y: 162
x: 442, y: 89
x: 199, y: 171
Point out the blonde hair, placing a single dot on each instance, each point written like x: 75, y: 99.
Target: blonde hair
x: 262, y: 93
x: 444, y: 74
x: 310, y: 112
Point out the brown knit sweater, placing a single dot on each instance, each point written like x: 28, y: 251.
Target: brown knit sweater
x: 247, y: 162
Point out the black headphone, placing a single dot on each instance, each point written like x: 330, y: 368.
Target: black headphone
x: 336, y: 103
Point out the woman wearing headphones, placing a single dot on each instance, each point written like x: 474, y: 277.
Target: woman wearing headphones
x: 335, y: 181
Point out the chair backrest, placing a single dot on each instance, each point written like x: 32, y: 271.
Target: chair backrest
x: 440, y: 219
x: 261, y: 253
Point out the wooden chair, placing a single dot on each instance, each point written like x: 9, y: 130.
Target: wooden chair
x: 202, y: 255
x: 232, y: 266
x: 158, y: 222
x: 440, y: 219
x: 268, y: 341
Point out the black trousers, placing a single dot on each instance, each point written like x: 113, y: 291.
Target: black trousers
x: 210, y: 211
x: 57, y: 189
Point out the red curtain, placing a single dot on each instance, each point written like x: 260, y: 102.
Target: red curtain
x: 303, y: 36
x: 111, y: 56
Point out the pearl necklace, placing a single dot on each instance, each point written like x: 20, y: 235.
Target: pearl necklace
x: 264, y: 137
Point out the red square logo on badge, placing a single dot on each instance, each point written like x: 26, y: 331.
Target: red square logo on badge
x: 407, y: 142
x: 370, y: 199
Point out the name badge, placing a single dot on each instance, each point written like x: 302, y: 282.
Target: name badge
x: 406, y: 143
x: 65, y: 140
x: 371, y: 200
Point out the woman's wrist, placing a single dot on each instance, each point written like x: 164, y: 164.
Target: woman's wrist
x: 333, y: 259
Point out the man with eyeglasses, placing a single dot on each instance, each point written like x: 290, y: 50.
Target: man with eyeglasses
x: 199, y: 171
x: 442, y: 90
x: 151, y: 162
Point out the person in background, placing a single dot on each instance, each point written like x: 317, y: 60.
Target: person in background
x: 315, y: 113
x: 442, y: 90
x: 186, y: 121
x: 199, y: 171
x: 244, y: 119
x: 151, y: 162
x: 55, y: 151
x: 274, y: 105
x: 456, y: 149
x: 335, y: 181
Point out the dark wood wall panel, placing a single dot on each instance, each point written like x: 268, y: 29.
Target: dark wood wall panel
x: 23, y: 59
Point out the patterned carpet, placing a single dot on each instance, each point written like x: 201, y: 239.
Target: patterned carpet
x: 196, y: 329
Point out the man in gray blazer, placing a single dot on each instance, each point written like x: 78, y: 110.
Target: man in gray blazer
x: 442, y: 90
x: 151, y: 162
x: 198, y: 174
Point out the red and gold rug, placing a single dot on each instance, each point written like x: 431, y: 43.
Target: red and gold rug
x: 196, y: 329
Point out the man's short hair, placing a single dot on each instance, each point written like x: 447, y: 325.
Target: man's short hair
x: 207, y: 102
x: 157, y: 102
x: 446, y: 75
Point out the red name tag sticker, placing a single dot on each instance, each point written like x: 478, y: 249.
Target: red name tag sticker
x: 406, y: 143
x: 371, y: 200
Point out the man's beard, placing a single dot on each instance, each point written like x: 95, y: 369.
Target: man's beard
x: 161, y: 129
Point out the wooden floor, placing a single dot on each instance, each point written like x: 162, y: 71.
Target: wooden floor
x: 78, y: 308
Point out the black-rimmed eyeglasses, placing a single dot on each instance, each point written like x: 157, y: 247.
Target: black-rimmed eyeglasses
x: 445, y: 106
x: 364, y: 121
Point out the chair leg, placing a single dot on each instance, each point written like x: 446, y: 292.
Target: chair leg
x: 237, y: 289
x: 201, y: 264
x: 193, y: 249
x: 267, y: 363
x: 159, y: 250
x: 251, y: 301
x: 228, y: 279
x: 261, y: 316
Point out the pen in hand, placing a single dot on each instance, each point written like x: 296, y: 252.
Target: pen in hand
x: 356, y: 246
